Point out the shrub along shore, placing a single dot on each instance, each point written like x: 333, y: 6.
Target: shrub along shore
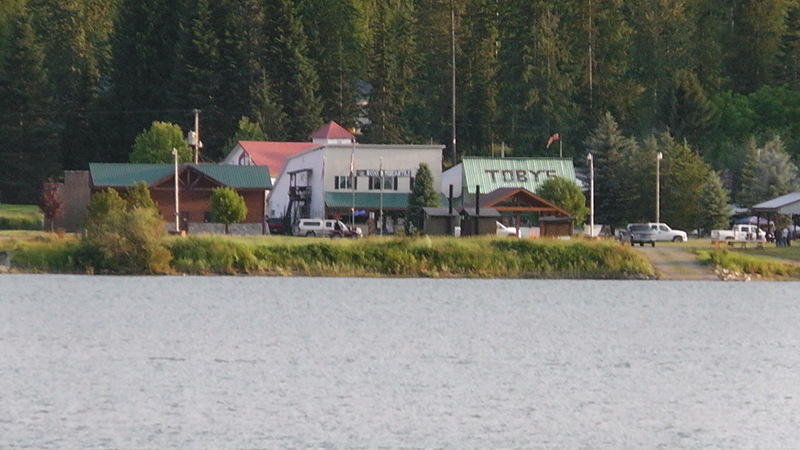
x: 479, y: 257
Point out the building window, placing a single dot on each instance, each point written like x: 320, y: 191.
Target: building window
x: 344, y: 182
x: 389, y: 183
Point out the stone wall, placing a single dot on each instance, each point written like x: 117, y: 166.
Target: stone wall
x: 235, y: 229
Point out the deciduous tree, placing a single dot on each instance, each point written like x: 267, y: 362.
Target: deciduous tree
x: 154, y: 145
x: 227, y: 206
x: 566, y: 195
x: 50, y: 202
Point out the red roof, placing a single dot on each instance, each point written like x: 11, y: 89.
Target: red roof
x: 332, y: 130
x: 274, y: 154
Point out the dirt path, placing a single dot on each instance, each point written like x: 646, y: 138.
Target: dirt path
x: 676, y: 263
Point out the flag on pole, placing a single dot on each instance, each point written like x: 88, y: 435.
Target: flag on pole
x: 552, y: 139
x: 352, y: 161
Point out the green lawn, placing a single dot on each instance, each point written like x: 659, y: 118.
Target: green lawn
x: 20, y: 217
x: 771, y: 250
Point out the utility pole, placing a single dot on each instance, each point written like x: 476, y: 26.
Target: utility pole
x: 196, y: 135
x: 453, y: 80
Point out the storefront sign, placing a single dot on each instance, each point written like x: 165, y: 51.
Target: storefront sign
x: 386, y: 173
x: 518, y: 176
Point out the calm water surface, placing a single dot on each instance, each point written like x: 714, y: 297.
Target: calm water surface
x: 252, y: 362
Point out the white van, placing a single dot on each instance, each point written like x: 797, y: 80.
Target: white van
x: 321, y: 227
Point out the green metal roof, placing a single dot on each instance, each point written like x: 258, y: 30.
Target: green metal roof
x: 371, y: 200
x: 125, y: 175
x: 242, y: 177
x: 528, y: 173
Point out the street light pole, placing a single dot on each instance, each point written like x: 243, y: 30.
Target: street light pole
x: 659, y: 157
x: 177, y: 209
x: 591, y: 195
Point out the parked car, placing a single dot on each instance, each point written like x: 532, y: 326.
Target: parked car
x: 278, y: 225
x: 664, y: 233
x: 739, y: 233
x: 641, y: 233
x: 324, y: 227
x: 503, y: 230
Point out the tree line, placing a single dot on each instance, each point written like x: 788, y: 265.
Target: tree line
x: 710, y: 80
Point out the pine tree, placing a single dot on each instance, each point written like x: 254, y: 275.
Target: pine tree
x: 663, y: 30
x: 608, y: 146
x: 683, y: 175
x: 537, y: 85
x: 768, y: 173
x: 422, y: 195
x: 754, y: 42
x: 290, y: 69
x: 29, y: 150
x: 335, y: 48
x: 248, y: 131
x: 713, y: 205
x: 687, y: 111
x: 392, y: 69
x: 144, y: 64
x: 477, y: 75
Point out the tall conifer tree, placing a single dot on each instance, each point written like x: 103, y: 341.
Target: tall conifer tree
x: 28, y: 149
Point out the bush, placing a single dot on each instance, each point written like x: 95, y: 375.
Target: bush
x: 123, y: 238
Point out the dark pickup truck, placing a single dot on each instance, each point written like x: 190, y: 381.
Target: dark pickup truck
x: 641, y: 233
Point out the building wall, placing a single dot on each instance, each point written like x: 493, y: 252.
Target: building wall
x: 278, y: 199
x: 390, y: 157
x: 75, y: 193
x: 453, y: 176
x: 195, y: 204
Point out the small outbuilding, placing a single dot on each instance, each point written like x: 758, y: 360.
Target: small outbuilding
x: 440, y: 221
x: 477, y: 222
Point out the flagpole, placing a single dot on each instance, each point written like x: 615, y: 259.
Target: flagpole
x: 380, y: 215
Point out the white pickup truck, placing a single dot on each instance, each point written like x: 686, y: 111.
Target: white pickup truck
x: 739, y: 233
x: 661, y: 232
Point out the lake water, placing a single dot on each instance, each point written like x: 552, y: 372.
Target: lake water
x: 256, y: 362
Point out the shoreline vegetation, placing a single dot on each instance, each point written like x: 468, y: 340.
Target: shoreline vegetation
x: 408, y: 257
x: 431, y: 257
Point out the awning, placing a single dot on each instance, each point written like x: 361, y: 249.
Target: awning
x: 370, y: 200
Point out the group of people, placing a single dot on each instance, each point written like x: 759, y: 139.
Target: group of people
x: 783, y: 238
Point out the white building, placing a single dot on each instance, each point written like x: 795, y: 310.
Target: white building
x: 317, y: 182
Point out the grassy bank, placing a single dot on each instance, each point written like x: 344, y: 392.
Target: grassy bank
x: 482, y: 257
x: 768, y: 263
x: 20, y: 217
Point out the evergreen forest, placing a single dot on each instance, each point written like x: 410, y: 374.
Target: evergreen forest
x: 712, y: 85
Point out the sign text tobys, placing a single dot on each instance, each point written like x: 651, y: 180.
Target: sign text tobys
x: 521, y: 176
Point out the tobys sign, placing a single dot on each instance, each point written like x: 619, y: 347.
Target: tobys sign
x: 491, y: 173
x: 518, y: 175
